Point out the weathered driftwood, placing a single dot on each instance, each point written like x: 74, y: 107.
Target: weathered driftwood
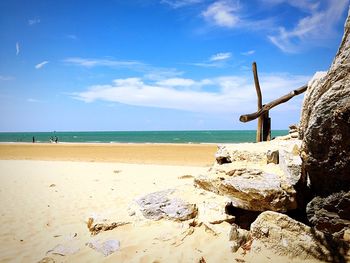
x: 266, y: 127
x: 268, y: 106
x: 259, y: 95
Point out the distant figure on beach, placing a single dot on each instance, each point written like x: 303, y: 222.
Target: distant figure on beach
x: 56, y: 139
x: 33, y: 139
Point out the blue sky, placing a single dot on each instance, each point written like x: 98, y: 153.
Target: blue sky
x: 158, y: 64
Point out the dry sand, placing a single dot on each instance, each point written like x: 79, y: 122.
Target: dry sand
x: 173, y: 154
x: 47, y: 203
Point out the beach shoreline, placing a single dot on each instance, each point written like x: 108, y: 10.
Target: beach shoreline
x: 137, y: 153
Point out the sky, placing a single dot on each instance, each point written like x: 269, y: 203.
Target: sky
x: 117, y: 65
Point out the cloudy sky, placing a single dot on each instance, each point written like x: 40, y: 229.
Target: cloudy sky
x: 158, y: 64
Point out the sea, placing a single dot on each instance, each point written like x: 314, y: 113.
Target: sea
x: 212, y: 136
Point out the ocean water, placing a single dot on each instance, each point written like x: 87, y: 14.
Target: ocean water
x: 235, y: 136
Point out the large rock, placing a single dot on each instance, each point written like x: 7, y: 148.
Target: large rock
x: 309, y: 100
x: 331, y: 214
x: 242, y: 174
x: 252, y: 190
x: 325, y: 125
x: 164, y: 204
x: 285, y: 236
x: 229, y: 154
x: 290, y: 162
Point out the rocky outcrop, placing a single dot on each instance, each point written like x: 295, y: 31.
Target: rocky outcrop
x: 256, y: 178
x: 294, y: 128
x: 272, y: 157
x: 308, y: 103
x: 238, y: 237
x: 257, y: 191
x: 285, y: 236
x: 331, y: 214
x: 325, y: 125
x: 290, y: 162
x: 164, y: 204
x: 226, y: 154
x: 293, y: 133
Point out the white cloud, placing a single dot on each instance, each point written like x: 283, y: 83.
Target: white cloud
x: 248, y: 53
x: 220, y: 56
x: 305, y: 5
x: 317, y: 27
x: 89, y: 63
x: 314, y: 28
x: 180, y: 3
x: 17, y: 48
x: 218, y: 60
x: 207, y: 64
x: 34, y: 21
x: 134, y: 91
x: 173, y: 82
x: 41, y: 64
x: 222, y: 13
x: 150, y: 72
x: 183, y: 83
x: 229, y: 14
x: 232, y: 93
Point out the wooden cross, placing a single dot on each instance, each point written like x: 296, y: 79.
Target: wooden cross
x: 263, y: 132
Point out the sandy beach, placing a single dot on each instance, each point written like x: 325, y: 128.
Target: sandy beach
x: 175, y: 131
x: 46, y: 203
x: 168, y: 154
x: 49, y: 192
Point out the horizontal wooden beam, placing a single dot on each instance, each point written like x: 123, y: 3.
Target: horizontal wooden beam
x: 268, y: 106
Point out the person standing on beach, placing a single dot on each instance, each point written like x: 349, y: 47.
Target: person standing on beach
x: 33, y: 139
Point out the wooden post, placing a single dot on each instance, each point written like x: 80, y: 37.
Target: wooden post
x: 266, y: 134
x: 263, y: 131
x: 258, y: 93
